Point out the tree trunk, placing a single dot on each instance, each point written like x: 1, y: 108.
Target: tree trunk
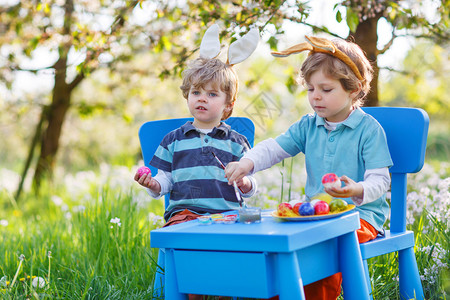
x: 366, y: 37
x: 58, y: 108
x: 34, y: 143
x: 55, y: 119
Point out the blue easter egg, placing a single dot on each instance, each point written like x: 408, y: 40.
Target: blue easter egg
x: 306, y: 209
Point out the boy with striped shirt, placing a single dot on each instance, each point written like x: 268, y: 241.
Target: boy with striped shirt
x: 187, y: 167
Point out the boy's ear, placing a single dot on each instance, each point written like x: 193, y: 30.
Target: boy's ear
x: 356, y: 92
x: 229, y: 107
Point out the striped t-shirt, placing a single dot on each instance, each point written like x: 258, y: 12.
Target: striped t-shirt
x: 199, y: 182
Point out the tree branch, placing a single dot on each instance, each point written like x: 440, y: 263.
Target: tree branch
x: 15, y: 67
x: 314, y: 27
x: 395, y: 70
x: 76, y: 81
x: 388, y: 44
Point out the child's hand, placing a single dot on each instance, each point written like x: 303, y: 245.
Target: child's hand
x: 244, y: 184
x: 235, y: 171
x: 146, y: 180
x: 351, y: 189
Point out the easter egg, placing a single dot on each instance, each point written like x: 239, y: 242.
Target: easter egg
x: 143, y: 170
x: 321, y: 208
x: 331, y: 180
x: 324, y: 197
x: 306, y: 209
x: 296, y: 207
x: 338, y: 205
x: 284, y: 209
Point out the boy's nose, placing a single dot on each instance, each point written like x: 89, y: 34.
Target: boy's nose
x: 316, y: 95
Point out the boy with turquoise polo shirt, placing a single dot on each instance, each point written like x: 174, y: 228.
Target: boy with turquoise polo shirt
x: 338, y: 138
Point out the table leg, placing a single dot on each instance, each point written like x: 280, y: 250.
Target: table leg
x: 351, y: 265
x: 171, y: 284
x: 290, y: 283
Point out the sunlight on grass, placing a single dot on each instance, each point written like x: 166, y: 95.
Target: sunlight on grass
x: 99, y: 242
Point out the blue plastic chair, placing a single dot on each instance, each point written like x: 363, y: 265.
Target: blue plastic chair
x: 406, y: 130
x: 150, y: 136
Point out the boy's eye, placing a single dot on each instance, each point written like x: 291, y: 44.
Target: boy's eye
x: 212, y: 94
x: 195, y: 92
x: 327, y: 90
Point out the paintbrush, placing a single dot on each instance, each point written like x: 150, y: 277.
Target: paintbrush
x: 238, y: 195
x: 223, y: 167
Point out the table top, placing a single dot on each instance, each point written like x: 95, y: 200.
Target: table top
x: 270, y: 235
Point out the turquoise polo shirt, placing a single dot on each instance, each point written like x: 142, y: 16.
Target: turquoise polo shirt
x: 356, y: 145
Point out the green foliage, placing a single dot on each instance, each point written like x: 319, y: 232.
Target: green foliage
x: 424, y: 81
x: 170, y: 33
x: 352, y: 20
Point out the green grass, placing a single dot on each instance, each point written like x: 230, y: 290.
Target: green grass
x: 93, y: 258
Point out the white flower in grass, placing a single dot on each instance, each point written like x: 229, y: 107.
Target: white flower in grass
x: 425, y: 191
x: 58, y: 201
x: 115, y: 221
x: 79, y: 208
x: 296, y: 196
x: 9, y: 180
x: 3, y: 281
x: 38, y: 282
x: 4, y: 223
x: 156, y: 220
x: 444, y: 184
x: 274, y: 193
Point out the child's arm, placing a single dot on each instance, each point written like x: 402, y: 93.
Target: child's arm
x: 264, y: 155
x: 376, y: 183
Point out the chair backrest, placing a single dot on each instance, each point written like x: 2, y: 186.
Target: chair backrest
x: 406, y: 131
x: 151, y: 134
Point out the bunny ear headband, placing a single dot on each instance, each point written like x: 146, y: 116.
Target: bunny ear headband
x: 315, y: 44
x: 238, y: 51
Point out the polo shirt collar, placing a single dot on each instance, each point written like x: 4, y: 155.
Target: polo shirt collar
x: 225, y: 128
x: 352, y: 121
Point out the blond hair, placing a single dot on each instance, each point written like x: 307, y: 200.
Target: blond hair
x: 202, y: 71
x: 335, y: 68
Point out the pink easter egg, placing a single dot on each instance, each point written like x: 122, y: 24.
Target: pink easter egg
x: 143, y: 170
x: 331, y: 180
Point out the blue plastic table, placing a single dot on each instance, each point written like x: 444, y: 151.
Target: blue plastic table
x: 261, y: 260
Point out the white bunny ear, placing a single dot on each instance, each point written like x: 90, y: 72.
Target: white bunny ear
x: 241, y: 49
x: 210, y: 46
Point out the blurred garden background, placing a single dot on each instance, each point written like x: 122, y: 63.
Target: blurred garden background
x: 78, y: 78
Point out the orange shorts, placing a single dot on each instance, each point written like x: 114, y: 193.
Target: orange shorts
x: 181, y: 217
